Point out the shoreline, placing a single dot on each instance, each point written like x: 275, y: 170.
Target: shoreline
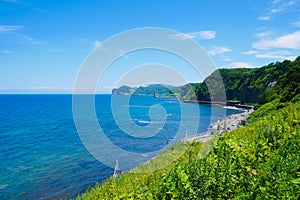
x: 226, y: 124
x: 237, y: 105
x: 215, y: 129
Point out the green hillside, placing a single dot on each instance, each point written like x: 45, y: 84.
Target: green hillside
x: 257, y: 161
x: 161, y: 90
x: 257, y: 85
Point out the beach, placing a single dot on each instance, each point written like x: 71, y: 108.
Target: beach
x: 226, y: 124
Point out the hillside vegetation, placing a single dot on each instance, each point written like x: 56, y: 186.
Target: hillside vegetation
x: 255, y: 85
x: 258, y: 161
x: 161, y: 90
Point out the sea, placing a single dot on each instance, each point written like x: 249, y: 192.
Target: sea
x: 43, y: 156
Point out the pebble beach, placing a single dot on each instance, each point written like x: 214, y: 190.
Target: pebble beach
x: 226, y: 124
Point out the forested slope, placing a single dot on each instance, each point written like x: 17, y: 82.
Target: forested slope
x: 258, y: 161
x: 255, y: 85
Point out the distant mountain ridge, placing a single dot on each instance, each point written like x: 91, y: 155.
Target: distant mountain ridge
x: 160, y: 89
x: 247, y: 85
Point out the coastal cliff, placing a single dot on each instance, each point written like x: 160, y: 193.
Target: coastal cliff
x: 245, y: 85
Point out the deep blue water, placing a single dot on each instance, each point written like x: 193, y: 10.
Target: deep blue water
x: 42, y: 156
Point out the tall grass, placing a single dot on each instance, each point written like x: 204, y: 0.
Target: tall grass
x: 259, y: 161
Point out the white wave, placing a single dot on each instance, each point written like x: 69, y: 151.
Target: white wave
x: 144, y: 121
x: 3, y: 186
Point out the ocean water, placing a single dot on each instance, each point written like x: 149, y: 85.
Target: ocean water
x: 43, y: 157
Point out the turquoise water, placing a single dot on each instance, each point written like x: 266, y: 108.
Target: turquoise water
x: 42, y: 156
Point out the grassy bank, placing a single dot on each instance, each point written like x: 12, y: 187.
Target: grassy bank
x: 259, y: 161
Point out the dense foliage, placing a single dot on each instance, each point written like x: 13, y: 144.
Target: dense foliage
x: 259, y: 161
x: 256, y: 85
x: 159, y: 89
x: 123, y: 90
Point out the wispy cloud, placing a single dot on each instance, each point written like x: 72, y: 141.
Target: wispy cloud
x: 30, y: 39
x: 289, y: 41
x: 26, y: 5
x: 240, y: 65
x: 97, y: 43
x: 286, y: 55
x: 226, y: 58
x: 263, y: 34
x: 297, y: 23
x: 12, y: 1
x: 9, y: 28
x: 277, y: 6
x: 6, y: 51
x: 264, y: 18
x: 218, y: 50
x: 251, y: 52
x: 279, y: 54
x: 15, y: 30
x: 55, y: 50
x: 204, y: 35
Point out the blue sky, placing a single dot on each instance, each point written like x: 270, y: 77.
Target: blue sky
x: 43, y: 43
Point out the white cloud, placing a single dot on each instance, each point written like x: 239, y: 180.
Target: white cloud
x: 281, y: 54
x: 218, y: 50
x: 297, y: 24
x: 276, y: 7
x: 263, y: 34
x: 251, y: 52
x: 9, y: 28
x: 290, y: 41
x: 13, y: 30
x: 56, y: 50
x: 30, y: 39
x: 97, y: 43
x: 6, y: 52
x: 241, y: 65
x: 264, y: 18
x: 182, y: 36
x: 226, y: 58
x: 276, y: 10
x: 205, y: 35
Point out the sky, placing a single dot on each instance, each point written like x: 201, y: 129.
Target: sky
x: 44, y: 43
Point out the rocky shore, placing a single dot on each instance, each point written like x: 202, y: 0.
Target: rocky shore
x: 227, y: 124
